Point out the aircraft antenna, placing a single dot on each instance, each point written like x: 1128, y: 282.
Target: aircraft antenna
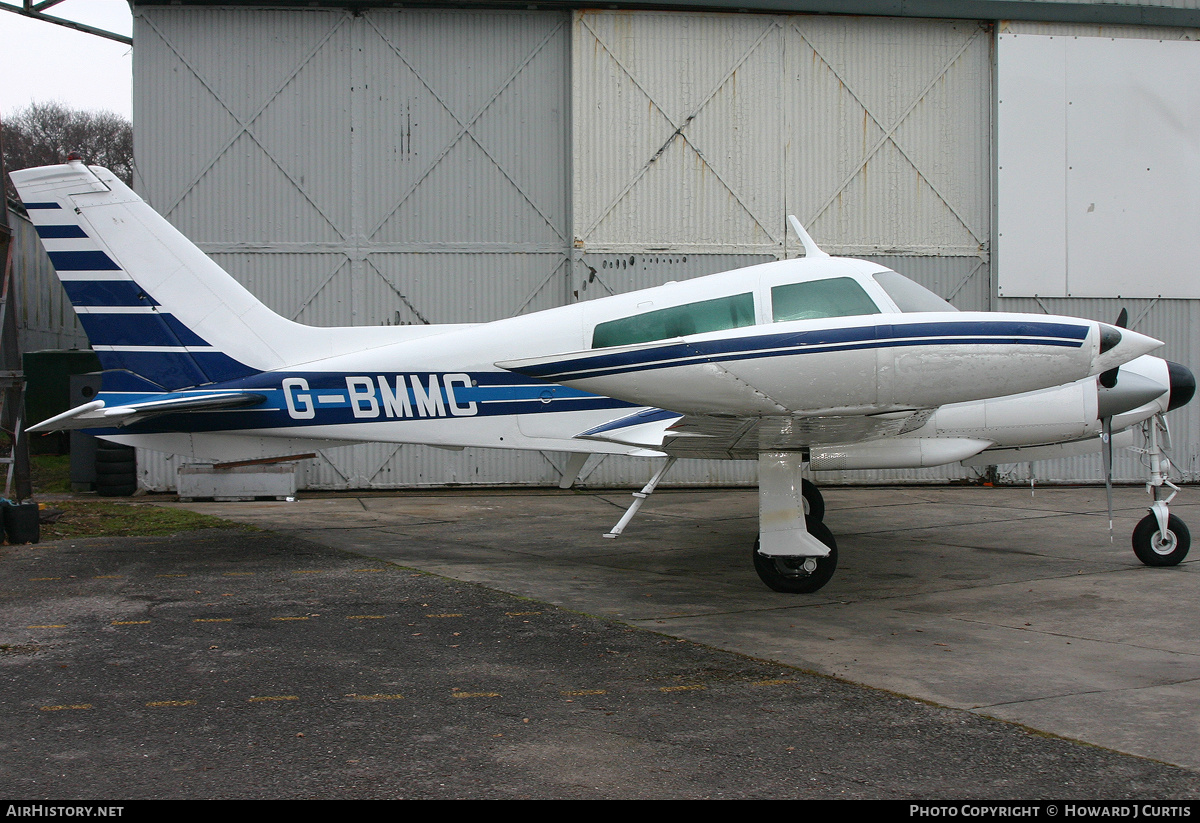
x: 811, y: 249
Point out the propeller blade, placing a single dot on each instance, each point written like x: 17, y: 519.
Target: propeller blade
x: 1108, y: 379
x: 1107, y: 451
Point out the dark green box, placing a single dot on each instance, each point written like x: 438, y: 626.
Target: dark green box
x: 48, y: 391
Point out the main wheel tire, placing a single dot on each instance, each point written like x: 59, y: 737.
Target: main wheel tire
x: 1156, y: 549
x: 814, y: 503
x: 786, y: 574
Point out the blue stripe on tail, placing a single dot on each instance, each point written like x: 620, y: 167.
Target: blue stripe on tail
x: 82, y: 261
x: 144, y: 329
x: 94, y: 293
x: 140, y: 344
x: 59, y: 232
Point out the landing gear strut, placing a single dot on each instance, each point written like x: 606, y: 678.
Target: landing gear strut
x: 1161, y: 538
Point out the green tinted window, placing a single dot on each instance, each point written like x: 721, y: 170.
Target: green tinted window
x: 677, y: 321
x: 836, y: 297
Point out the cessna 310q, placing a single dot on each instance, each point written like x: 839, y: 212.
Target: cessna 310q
x: 829, y: 362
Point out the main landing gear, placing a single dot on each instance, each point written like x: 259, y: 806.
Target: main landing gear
x: 795, y: 552
x: 801, y: 575
x: 1161, y: 538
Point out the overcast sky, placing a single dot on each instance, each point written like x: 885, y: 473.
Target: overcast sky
x: 45, y: 62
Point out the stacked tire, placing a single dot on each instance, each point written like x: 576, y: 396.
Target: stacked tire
x: 116, y: 469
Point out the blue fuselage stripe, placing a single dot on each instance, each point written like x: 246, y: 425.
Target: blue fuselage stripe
x: 973, y: 333
x: 329, y: 395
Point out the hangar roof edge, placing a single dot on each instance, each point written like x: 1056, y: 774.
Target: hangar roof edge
x: 1145, y: 13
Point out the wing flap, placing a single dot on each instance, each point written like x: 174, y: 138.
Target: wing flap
x: 742, y: 438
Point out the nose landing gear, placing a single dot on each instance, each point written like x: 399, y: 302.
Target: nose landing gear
x: 1161, y: 538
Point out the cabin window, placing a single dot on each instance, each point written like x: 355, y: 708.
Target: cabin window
x: 910, y: 296
x: 834, y: 297
x: 677, y: 321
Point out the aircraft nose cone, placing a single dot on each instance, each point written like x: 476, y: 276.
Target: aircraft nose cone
x: 1183, y: 385
x: 1126, y: 391
x: 1120, y: 346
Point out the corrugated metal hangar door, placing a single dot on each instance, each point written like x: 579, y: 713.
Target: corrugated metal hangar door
x: 373, y: 168
x: 697, y: 134
x: 408, y: 166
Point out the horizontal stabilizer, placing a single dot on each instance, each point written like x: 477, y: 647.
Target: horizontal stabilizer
x: 96, y: 415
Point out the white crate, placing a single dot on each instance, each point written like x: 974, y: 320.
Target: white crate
x: 206, y: 482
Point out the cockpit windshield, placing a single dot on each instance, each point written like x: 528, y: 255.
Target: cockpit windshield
x: 910, y: 296
x: 814, y: 299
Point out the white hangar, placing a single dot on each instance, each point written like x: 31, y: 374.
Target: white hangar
x: 394, y: 163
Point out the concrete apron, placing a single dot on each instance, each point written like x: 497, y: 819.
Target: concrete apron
x: 992, y: 600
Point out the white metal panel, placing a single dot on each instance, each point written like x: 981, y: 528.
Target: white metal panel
x: 226, y: 159
x: 483, y: 112
x: 1097, y: 153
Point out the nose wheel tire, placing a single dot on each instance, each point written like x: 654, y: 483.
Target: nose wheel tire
x: 1154, y: 548
x: 799, y: 575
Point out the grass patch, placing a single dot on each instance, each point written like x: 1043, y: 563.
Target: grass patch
x: 108, y: 517
x: 50, y: 473
x: 111, y: 519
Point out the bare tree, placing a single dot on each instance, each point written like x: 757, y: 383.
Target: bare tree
x: 47, y: 133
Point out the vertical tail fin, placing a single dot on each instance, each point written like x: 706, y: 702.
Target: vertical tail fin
x: 155, y: 307
x: 152, y: 304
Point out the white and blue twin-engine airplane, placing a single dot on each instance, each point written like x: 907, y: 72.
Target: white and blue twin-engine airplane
x: 820, y: 362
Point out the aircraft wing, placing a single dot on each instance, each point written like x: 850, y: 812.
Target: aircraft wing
x: 716, y: 437
x: 97, y: 415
